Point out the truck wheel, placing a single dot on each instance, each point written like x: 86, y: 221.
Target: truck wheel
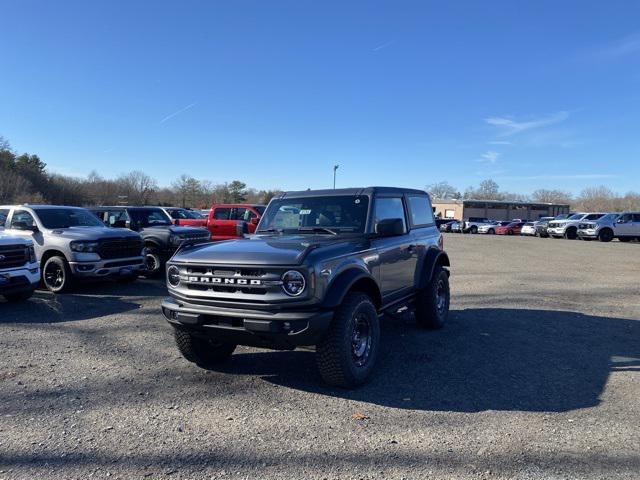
x: 491, y: 231
x: 56, y: 275
x: 19, y: 297
x: 605, y: 235
x: 432, y: 303
x: 203, y: 352
x: 153, y: 262
x: 570, y: 233
x: 348, y: 353
x: 474, y: 229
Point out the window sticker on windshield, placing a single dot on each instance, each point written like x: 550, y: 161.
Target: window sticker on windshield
x: 305, y: 212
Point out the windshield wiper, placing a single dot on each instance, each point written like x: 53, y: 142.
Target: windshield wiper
x: 271, y: 230
x: 318, y: 229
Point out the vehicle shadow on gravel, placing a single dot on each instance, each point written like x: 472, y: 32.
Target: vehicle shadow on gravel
x: 484, y: 359
x: 86, y: 302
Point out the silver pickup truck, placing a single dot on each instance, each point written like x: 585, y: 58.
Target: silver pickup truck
x: 71, y: 243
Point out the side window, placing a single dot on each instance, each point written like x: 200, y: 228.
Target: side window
x: 421, y: 213
x: 4, y: 213
x: 636, y: 217
x: 389, y: 207
x: 627, y: 217
x: 22, y: 216
x: 117, y: 219
x: 240, y: 214
x: 222, y: 213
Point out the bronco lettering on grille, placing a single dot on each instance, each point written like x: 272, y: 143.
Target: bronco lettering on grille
x: 225, y: 281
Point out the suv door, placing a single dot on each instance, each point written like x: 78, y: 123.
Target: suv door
x: 221, y: 223
x: 397, y: 255
x: 624, y: 225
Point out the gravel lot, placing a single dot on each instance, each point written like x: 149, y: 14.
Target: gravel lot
x: 537, y: 376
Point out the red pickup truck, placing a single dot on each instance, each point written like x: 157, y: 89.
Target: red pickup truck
x: 185, y: 217
x: 230, y: 220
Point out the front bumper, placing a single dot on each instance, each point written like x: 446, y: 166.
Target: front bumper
x: 556, y: 232
x: 116, y: 267
x: 281, y: 329
x: 19, y: 280
x: 588, y: 233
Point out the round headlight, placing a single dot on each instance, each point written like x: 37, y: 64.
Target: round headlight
x: 293, y: 283
x: 173, y: 276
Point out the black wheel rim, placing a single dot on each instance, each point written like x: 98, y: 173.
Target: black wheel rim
x: 441, y: 297
x: 54, y: 276
x: 361, y: 340
x: 151, y: 262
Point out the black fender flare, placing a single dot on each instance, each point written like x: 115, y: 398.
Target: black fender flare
x: 344, y: 281
x: 434, y: 258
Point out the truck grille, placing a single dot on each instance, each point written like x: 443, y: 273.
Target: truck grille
x: 120, y: 248
x: 12, y: 256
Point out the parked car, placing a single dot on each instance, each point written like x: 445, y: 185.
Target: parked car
x: 623, y: 226
x: 474, y: 223
x: 542, y: 225
x: 161, y: 238
x: 19, y: 268
x: 186, y: 217
x: 512, y: 228
x: 232, y: 221
x: 307, y: 278
x: 529, y: 228
x: 456, y: 227
x: 490, y: 229
x: 568, y: 227
x: 71, y: 244
x: 446, y: 227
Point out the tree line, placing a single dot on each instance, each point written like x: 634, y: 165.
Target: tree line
x: 24, y: 179
x: 591, y: 199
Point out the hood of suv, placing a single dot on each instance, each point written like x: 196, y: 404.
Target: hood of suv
x: 259, y: 250
x: 92, y: 233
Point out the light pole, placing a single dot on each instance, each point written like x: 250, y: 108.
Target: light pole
x: 335, y: 167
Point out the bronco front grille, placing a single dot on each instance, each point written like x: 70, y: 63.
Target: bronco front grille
x: 12, y: 256
x: 120, y: 248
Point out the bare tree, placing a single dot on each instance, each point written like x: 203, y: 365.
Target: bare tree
x: 551, y: 196
x: 138, y: 187
x: 443, y: 190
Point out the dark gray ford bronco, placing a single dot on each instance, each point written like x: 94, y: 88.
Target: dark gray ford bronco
x: 320, y: 270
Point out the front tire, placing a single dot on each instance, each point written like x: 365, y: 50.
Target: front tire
x: 347, y: 354
x: 605, y: 235
x: 571, y: 234
x: 153, y: 262
x: 204, y: 352
x: 432, y: 303
x: 474, y: 230
x: 491, y: 231
x: 56, y: 275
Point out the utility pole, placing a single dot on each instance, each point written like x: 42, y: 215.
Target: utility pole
x: 335, y: 168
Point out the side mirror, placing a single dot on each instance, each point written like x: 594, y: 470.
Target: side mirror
x: 390, y: 227
x: 24, y: 226
x: 620, y: 220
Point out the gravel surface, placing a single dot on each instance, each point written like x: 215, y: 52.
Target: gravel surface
x: 536, y: 376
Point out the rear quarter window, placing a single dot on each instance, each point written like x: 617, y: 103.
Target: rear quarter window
x: 420, y: 209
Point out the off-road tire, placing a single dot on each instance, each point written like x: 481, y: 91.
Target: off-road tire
x: 204, y: 352
x: 153, y: 262
x: 605, y: 235
x: 63, y: 281
x: 430, y: 312
x: 335, y: 356
x: 18, y: 297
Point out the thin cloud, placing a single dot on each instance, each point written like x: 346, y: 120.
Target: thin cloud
x: 489, y: 157
x: 509, y: 126
x: 383, y: 45
x: 625, y: 46
x: 499, y: 142
x: 178, y: 112
x: 579, y: 176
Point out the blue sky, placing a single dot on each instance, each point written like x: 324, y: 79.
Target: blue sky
x: 542, y: 94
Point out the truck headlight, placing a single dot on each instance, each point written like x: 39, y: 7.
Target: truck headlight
x: 32, y: 254
x: 293, y: 283
x: 173, y: 276
x: 84, y: 247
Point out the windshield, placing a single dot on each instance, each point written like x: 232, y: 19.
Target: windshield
x: 609, y: 217
x: 576, y: 216
x: 67, y: 217
x: 260, y: 209
x: 146, y: 217
x: 594, y: 216
x: 346, y: 213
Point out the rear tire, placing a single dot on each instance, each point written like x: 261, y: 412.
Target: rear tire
x: 432, y: 303
x: 204, y: 352
x: 347, y: 354
x: 56, y: 275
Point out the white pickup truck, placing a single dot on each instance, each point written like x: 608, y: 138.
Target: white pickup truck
x: 19, y: 269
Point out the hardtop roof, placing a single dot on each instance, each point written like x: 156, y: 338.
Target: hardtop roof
x: 351, y: 191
